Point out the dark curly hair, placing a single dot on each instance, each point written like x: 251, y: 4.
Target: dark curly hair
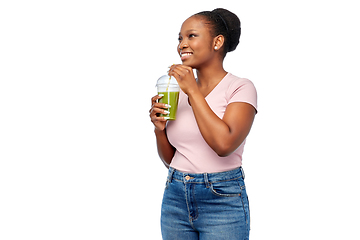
x: 223, y: 22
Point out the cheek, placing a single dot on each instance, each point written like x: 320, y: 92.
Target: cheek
x: 201, y: 48
x: 197, y: 45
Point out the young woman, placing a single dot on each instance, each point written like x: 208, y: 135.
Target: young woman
x: 205, y: 195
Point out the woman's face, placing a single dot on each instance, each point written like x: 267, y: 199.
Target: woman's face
x: 195, y: 43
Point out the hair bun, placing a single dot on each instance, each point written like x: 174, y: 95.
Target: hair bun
x: 233, y: 26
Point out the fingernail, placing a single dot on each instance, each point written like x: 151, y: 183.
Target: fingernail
x: 166, y: 112
x: 167, y: 106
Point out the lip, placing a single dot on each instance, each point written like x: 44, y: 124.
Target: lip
x: 185, y: 55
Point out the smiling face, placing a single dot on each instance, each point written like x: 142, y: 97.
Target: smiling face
x: 196, y: 45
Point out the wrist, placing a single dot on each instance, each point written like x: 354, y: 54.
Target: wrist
x: 158, y: 131
x: 195, y: 95
x: 193, y: 92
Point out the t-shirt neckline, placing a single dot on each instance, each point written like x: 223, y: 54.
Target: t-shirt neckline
x: 213, y: 90
x: 222, y: 80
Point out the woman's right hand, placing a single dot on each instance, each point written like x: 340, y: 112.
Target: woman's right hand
x: 156, y: 109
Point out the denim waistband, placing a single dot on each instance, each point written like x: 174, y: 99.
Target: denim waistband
x: 205, y: 177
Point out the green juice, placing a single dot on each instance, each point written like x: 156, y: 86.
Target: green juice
x: 172, y: 99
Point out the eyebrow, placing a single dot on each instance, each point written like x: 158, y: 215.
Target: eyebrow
x: 190, y: 30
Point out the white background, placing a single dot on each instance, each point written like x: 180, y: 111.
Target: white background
x: 77, y: 151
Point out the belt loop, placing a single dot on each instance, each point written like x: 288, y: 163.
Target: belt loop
x: 242, y: 173
x: 207, y: 184
x: 171, y: 173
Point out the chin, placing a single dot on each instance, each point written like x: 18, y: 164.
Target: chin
x: 189, y: 64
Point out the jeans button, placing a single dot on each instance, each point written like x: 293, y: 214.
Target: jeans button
x: 187, y: 178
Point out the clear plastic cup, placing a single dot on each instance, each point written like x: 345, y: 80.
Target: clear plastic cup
x: 168, y: 89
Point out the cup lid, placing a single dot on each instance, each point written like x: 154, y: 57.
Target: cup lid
x: 166, y: 79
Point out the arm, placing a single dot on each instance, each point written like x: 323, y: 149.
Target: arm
x: 223, y: 135
x: 165, y: 150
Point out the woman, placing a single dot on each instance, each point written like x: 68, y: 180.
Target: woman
x: 205, y: 196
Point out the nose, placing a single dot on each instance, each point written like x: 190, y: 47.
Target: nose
x: 183, y: 44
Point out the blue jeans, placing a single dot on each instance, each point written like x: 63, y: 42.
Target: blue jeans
x: 205, y: 206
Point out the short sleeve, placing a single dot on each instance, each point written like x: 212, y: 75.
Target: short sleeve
x: 242, y: 90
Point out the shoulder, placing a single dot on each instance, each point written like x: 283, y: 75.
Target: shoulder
x: 238, y: 81
x: 241, y: 90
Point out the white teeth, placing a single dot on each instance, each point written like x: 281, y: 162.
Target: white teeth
x: 186, y: 54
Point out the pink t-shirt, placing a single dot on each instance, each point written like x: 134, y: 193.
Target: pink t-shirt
x: 193, y: 154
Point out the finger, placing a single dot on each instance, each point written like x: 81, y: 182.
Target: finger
x: 159, y: 108
x: 180, y: 66
x: 182, y: 70
x: 177, y: 73
x: 174, y: 66
x: 187, y: 67
x: 185, y: 70
x: 155, y: 119
x: 175, y: 70
x: 177, y: 66
x: 161, y: 105
x: 156, y: 110
x: 154, y: 99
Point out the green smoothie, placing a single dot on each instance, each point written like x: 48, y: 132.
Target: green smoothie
x: 172, y: 99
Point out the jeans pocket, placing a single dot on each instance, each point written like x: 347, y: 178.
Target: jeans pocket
x: 226, y: 188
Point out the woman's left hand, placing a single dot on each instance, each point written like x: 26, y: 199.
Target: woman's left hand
x: 185, y: 77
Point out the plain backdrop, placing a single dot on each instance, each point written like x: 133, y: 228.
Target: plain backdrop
x: 78, y: 158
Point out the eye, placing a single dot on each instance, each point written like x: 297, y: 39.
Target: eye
x: 180, y: 39
x: 192, y: 35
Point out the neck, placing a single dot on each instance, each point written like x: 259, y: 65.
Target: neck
x: 210, y: 75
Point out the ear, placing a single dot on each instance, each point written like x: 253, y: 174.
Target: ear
x: 218, y: 42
